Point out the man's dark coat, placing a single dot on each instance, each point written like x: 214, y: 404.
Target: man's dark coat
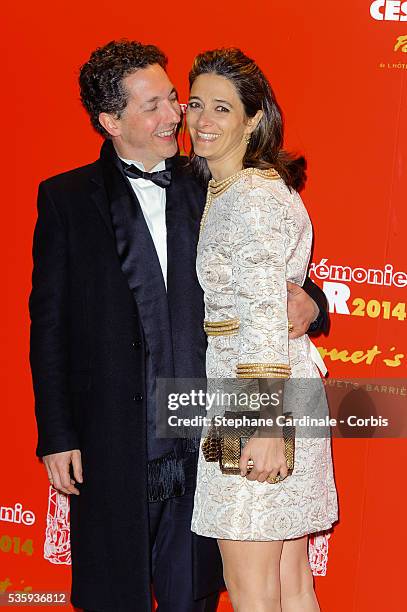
x: 88, y: 334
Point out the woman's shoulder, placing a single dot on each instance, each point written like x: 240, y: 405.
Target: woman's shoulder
x: 263, y: 185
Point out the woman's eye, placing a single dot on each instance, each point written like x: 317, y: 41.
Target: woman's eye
x: 222, y: 109
x: 193, y: 104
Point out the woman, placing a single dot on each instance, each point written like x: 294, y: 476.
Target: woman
x: 255, y: 235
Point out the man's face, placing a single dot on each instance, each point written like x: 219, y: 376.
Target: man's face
x: 146, y: 130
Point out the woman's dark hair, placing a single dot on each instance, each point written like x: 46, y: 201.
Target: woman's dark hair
x: 101, y: 78
x: 265, y: 147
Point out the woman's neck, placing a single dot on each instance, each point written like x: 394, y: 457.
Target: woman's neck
x: 222, y: 169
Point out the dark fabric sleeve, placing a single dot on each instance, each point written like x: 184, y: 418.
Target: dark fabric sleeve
x: 48, y: 306
x: 321, y: 323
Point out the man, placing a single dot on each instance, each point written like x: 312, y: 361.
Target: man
x: 115, y: 305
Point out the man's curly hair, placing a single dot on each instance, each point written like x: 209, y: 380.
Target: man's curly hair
x: 101, y: 77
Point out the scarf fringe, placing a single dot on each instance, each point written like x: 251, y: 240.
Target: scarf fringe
x: 165, y: 477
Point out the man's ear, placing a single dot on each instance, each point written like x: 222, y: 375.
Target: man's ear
x: 110, y: 123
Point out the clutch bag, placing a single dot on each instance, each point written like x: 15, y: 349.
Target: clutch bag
x: 225, y: 444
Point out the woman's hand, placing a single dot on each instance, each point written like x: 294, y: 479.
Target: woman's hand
x: 268, y: 458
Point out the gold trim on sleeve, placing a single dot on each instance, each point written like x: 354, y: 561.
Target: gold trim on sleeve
x: 263, y: 370
x: 227, y: 327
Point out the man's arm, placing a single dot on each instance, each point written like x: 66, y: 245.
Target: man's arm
x: 321, y: 323
x: 48, y: 306
x: 307, y: 309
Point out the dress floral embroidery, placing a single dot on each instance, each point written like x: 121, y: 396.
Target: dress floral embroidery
x: 257, y: 235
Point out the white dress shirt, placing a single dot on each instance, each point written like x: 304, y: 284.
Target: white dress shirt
x: 152, y: 201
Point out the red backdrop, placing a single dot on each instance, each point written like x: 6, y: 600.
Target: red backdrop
x: 339, y: 70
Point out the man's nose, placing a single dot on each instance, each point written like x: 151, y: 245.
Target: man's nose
x: 172, y: 113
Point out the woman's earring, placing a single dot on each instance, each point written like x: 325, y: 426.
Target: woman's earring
x: 247, y: 139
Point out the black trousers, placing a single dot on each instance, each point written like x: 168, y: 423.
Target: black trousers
x: 171, y: 550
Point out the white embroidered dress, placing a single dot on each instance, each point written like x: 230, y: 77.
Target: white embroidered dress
x: 257, y: 235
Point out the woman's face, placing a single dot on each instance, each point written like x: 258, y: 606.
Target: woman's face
x: 216, y: 119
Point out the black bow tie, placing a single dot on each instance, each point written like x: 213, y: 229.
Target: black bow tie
x: 162, y: 178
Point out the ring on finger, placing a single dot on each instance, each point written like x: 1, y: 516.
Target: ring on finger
x: 290, y: 326
x: 273, y: 479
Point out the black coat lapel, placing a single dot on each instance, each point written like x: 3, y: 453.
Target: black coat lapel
x: 185, y: 201
x: 139, y: 262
